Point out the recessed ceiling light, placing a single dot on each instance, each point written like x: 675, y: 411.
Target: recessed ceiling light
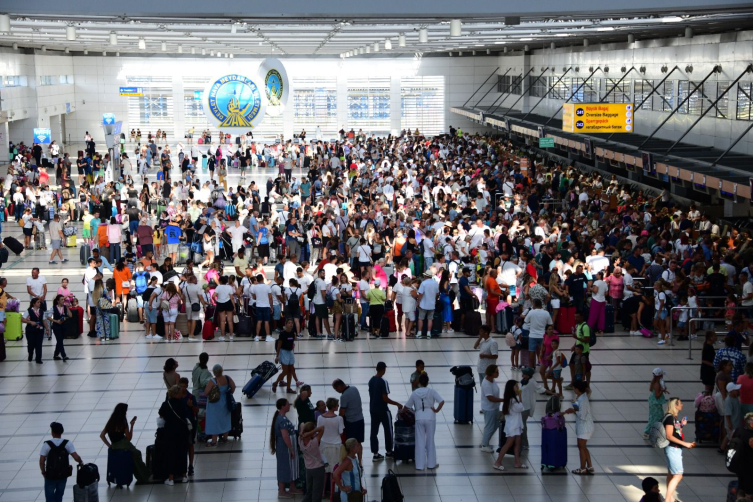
x: 605, y: 28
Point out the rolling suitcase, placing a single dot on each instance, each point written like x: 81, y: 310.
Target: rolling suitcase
x: 13, y: 244
x: 259, y: 376
x: 13, y: 326
x: 349, y: 327
x: 80, y: 311
x: 384, y: 328
x: 707, y: 426
x: 463, y: 405
x: 457, y: 315
x: 71, y: 326
x: 197, y: 327
x: 553, y: 448
x: 119, y: 467
x: 181, y: 324
x: 405, y: 442
x: 608, y: 319
x: 121, y: 312
x: 84, y: 254
x: 88, y: 493
x: 207, y: 331
x: 390, y: 315
x: 732, y: 488
x: 236, y: 421
x: 472, y: 323
x: 243, y: 328
x: 114, y: 327
x: 160, y: 328
x: 156, y: 456
x: 566, y: 320
x: 184, y: 252
x: 133, y: 311
x: 70, y: 241
x: 87, y: 474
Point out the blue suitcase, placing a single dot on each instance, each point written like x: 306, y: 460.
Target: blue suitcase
x: 119, y: 467
x: 253, y: 386
x: 463, y: 405
x: 609, y: 319
x: 553, y: 448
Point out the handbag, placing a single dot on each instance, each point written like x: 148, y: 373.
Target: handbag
x: 189, y: 425
x: 356, y: 496
x: 215, y: 393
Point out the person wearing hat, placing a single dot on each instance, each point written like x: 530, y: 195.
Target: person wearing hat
x: 428, y: 292
x: 733, y: 413
x: 54, y: 464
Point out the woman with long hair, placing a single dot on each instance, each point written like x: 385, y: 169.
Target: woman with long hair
x: 673, y: 451
x: 169, y: 301
x: 200, y: 376
x: 117, y: 435
x: 445, y: 300
x: 103, y: 309
x: 660, y: 304
x: 60, y: 314
x: 169, y: 375
x: 282, y: 444
x: 122, y: 276
x: 174, y: 412
x: 512, y: 409
x: 224, y: 296
x: 584, y: 425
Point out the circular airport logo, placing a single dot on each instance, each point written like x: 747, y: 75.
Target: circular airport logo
x: 274, y: 85
x: 580, y: 112
x: 235, y: 102
x: 579, y: 124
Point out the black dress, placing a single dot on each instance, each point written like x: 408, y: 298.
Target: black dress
x: 176, y: 436
x: 708, y: 373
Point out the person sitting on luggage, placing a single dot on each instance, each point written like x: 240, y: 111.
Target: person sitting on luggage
x: 173, y: 412
x: 54, y: 463
x: 120, y: 433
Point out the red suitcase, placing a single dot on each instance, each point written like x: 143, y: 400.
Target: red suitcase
x: 565, y: 320
x: 390, y: 314
x: 207, y: 331
x: 80, y: 311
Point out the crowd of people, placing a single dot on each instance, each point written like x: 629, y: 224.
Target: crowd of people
x: 406, y: 236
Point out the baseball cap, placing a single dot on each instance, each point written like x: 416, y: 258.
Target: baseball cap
x: 659, y: 372
x: 733, y: 386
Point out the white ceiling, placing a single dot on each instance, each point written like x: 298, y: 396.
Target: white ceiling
x: 306, y: 37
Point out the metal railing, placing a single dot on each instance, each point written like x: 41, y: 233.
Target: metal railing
x: 690, y: 354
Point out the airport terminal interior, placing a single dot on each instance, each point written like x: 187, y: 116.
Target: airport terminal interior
x: 331, y: 132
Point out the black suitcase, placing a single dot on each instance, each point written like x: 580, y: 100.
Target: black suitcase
x: 456, y: 317
x: 236, y: 421
x: 12, y: 243
x: 609, y: 319
x: 160, y: 329
x: 121, y: 312
x: 156, y: 456
x: 119, y: 467
x: 87, y: 474
x: 197, y: 328
x: 243, y: 328
x: 348, y: 327
x: 70, y: 328
x: 405, y: 442
x: 84, y: 254
x: 384, y: 327
x: 472, y: 323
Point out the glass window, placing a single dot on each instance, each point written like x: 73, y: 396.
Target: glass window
x: 154, y: 110
x: 711, y: 92
x: 422, y: 104
x: 537, y: 86
x: 561, y: 89
x: 503, y: 83
x: 47, y: 80
x: 369, y: 104
x: 744, y: 100
x: 619, y: 92
x: 66, y: 79
x: 666, y: 94
x: 13, y: 81
x: 641, y: 91
x: 315, y: 104
x: 694, y: 104
x: 584, y: 92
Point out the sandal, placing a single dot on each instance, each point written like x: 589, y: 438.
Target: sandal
x: 580, y: 472
x: 523, y: 466
x: 590, y: 470
x: 274, y: 386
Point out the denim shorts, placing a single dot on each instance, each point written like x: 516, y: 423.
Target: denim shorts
x: 287, y: 357
x: 534, y: 343
x: 674, y: 459
x: 151, y: 315
x: 263, y: 314
x: 662, y: 314
x: 276, y: 309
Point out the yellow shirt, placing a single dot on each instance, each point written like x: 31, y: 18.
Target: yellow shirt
x: 88, y: 221
x: 156, y: 238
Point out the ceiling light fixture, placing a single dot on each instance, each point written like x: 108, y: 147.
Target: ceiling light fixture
x: 585, y: 42
x: 104, y: 53
x: 142, y: 43
x: 203, y: 52
x: 219, y: 54
x: 180, y: 49
x: 86, y: 52
x: 117, y: 54
x: 525, y: 48
x: 44, y: 48
x: 113, y: 38
x: 193, y: 50
x: 4, y: 23
x: 688, y: 32
x: 211, y: 53
x: 15, y: 47
x: 376, y: 46
x: 164, y: 47
x: 672, y: 19
x: 488, y: 51
x: 368, y: 49
x: 388, y: 45
x: 401, y: 40
x: 233, y: 28
x: 552, y: 46
x: 70, y: 33
x: 460, y: 54
x: 456, y: 28
x: 67, y: 50
x: 631, y: 38
x: 450, y: 53
x: 423, y: 36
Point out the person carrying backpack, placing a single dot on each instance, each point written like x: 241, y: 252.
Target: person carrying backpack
x: 54, y: 463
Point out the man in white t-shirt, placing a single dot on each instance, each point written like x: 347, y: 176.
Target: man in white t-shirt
x: 538, y: 319
x: 54, y: 482
x: 490, y: 399
x: 746, y: 299
x: 320, y: 305
x: 262, y: 295
x: 36, y: 286
x: 363, y: 289
x: 237, y: 233
x: 427, y: 301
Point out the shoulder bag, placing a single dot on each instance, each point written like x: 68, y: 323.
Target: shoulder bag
x: 189, y: 425
x: 214, y: 393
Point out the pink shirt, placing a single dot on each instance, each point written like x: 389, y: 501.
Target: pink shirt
x: 64, y: 291
x: 615, y: 286
x: 312, y: 457
x: 113, y: 234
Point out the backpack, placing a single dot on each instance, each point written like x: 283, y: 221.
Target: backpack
x: 510, y: 340
x: 734, y: 458
x: 657, y: 435
x: 293, y: 303
x: 57, y: 465
x: 391, y: 488
x: 311, y: 293
x: 328, y: 299
x: 707, y: 404
x: 140, y: 279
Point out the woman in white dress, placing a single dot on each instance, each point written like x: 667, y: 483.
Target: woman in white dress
x: 513, y: 412
x: 426, y: 403
x: 584, y: 425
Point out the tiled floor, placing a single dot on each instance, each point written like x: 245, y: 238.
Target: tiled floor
x: 82, y: 392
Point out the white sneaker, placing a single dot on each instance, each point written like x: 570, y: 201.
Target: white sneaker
x: 257, y: 339
x: 157, y: 337
x: 191, y: 339
x: 222, y: 338
x: 169, y: 482
x: 487, y: 449
x: 661, y: 342
x: 270, y: 339
x: 184, y: 480
x: 148, y: 337
x: 231, y: 338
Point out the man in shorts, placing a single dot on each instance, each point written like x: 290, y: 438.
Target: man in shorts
x: 583, y: 340
x: 56, y: 238
x: 320, y: 305
x: 427, y: 301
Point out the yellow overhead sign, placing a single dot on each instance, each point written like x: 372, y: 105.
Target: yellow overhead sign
x: 598, y: 117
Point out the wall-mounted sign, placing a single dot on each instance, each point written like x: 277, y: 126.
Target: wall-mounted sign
x: 67, y: 108
x: 108, y: 118
x: 132, y: 91
x: 234, y: 103
x: 276, y: 85
x: 42, y: 136
x: 546, y: 142
x: 598, y: 117
x: 198, y: 95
